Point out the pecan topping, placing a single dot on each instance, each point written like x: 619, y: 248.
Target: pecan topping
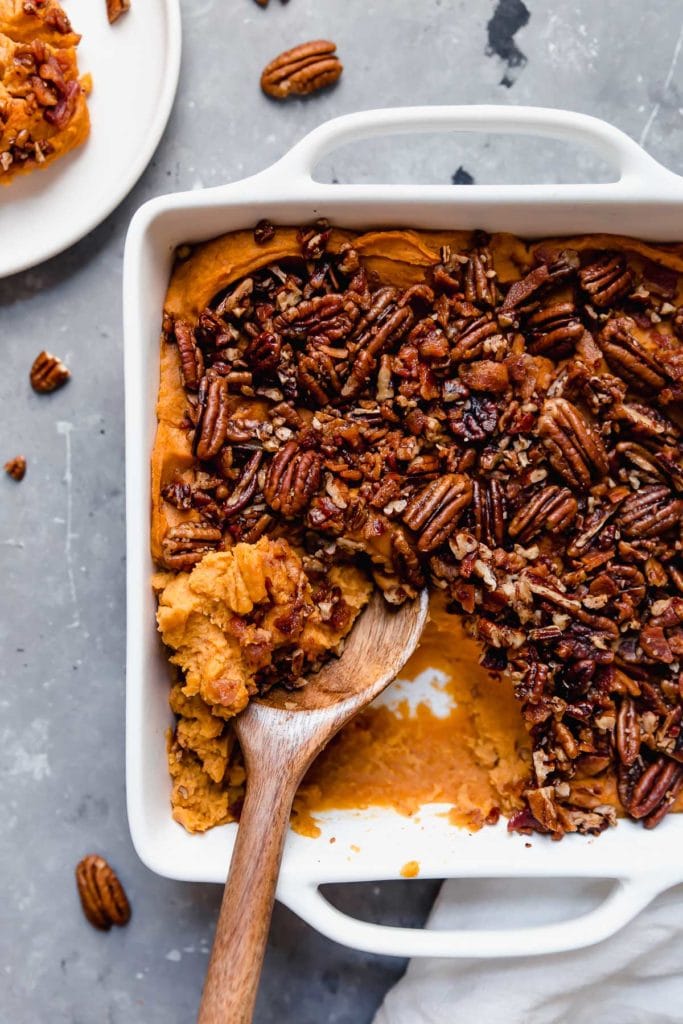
x: 48, y: 373
x: 186, y: 544
x: 628, y: 358
x: 302, y: 70
x: 502, y: 441
x: 551, y: 510
x: 574, y: 449
x: 435, y: 511
x: 293, y: 478
x: 16, y: 467
x: 606, y: 280
x: 191, y: 359
x: 650, y: 512
x: 115, y: 8
x: 102, y: 896
x: 213, y: 419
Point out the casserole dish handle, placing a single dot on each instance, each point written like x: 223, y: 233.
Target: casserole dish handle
x: 626, y: 899
x: 637, y: 170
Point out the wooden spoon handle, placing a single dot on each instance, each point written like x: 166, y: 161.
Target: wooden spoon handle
x: 242, y: 932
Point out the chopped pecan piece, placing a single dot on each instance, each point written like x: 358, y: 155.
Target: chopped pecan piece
x: 552, y: 510
x: 115, y: 8
x: 264, y: 230
x: 575, y: 450
x: 186, y: 544
x: 302, y: 70
x: 606, y: 280
x: 103, y: 898
x: 16, y: 467
x: 627, y: 357
x: 650, y: 512
x: 485, y: 375
x: 212, y: 425
x: 434, y: 512
x: 293, y: 478
x: 48, y: 373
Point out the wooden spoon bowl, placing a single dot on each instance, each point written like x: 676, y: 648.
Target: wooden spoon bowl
x: 280, y: 736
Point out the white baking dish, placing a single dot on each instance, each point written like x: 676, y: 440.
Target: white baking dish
x: 645, y: 200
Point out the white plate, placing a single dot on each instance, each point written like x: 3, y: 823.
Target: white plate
x: 134, y: 66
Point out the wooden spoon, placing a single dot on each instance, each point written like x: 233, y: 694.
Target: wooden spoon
x: 280, y: 737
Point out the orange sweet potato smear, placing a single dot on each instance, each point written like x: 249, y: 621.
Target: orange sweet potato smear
x: 475, y: 758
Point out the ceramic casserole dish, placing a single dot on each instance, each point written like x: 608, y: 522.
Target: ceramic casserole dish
x: 646, y: 201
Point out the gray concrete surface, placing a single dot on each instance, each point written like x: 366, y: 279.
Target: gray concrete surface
x: 62, y: 529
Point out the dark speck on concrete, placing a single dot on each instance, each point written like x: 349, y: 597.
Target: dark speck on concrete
x: 330, y: 980
x: 508, y: 17
x: 462, y: 177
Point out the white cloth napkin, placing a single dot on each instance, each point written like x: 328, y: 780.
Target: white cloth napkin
x: 636, y: 977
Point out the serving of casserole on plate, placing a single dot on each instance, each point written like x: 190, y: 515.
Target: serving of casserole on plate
x: 434, y: 402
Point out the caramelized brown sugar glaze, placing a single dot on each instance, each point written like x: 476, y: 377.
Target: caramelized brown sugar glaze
x: 590, y: 412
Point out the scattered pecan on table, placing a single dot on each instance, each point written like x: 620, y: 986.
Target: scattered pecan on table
x: 302, y: 70
x: 516, y: 446
x: 102, y: 896
x: 16, y: 467
x: 48, y: 373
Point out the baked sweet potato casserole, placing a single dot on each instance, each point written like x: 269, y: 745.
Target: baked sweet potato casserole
x: 494, y: 418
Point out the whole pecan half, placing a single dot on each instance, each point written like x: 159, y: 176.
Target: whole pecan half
x: 627, y: 734
x: 302, y: 70
x: 555, y: 329
x: 48, y: 373
x: 16, y: 467
x: 263, y: 352
x: 433, y: 513
x: 575, y: 451
x: 212, y: 425
x: 606, y: 280
x: 186, y: 544
x: 293, y: 478
x: 552, y: 510
x: 627, y: 357
x: 469, y: 343
x: 490, y: 512
x: 653, y: 786
x: 191, y: 358
x: 103, y: 898
x: 480, y: 279
x: 384, y: 323
x: 650, y: 512
x: 245, y: 488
